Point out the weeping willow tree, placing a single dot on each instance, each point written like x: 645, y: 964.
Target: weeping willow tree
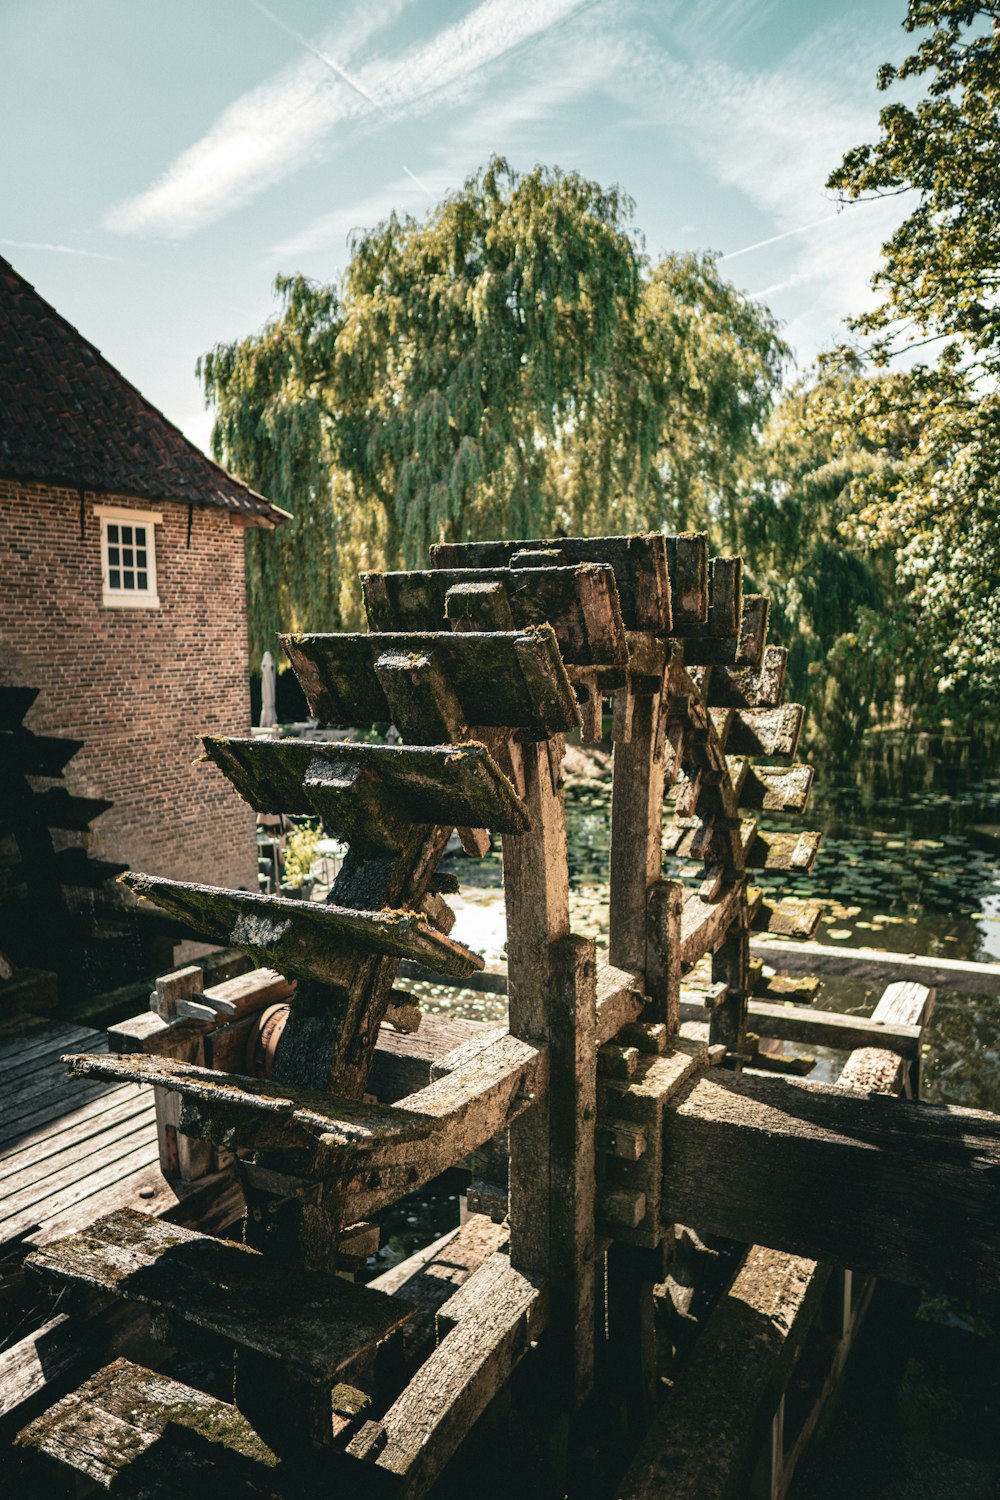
x: 509, y: 365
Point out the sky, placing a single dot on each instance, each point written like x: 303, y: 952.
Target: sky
x: 161, y: 163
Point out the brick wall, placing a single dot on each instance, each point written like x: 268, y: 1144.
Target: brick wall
x: 138, y: 686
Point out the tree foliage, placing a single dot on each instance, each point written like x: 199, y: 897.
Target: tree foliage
x: 936, y: 507
x: 510, y: 365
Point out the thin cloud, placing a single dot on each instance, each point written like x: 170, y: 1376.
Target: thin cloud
x: 61, y: 250
x: 277, y: 128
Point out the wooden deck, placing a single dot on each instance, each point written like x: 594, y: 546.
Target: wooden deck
x: 70, y: 1149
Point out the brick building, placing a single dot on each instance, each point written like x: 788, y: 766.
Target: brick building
x: 122, y: 596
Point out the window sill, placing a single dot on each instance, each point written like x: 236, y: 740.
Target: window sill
x: 135, y: 601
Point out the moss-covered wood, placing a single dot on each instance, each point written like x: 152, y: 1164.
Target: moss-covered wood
x: 750, y: 687
x: 775, y: 788
x: 639, y: 563
x: 580, y: 603
x: 503, y: 679
x: 131, y: 1431
x: 769, y: 732
x: 304, y: 939
x: 371, y: 794
x: 313, y: 1325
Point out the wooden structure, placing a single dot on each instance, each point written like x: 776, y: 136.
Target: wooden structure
x: 309, y: 1076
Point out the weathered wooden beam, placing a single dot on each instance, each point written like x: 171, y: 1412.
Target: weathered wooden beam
x: 743, y: 649
x: 716, y: 1416
x: 371, y: 793
x: 773, y: 788
x: 365, y: 1155
x: 486, y: 1327
x: 127, y: 1416
x: 639, y: 562
x: 877, y: 963
x: 505, y: 679
x: 307, y: 939
x: 579, y: 602
x: 687, y: 560
x: 770, y: 732
x: 820, y: 1028
x: 750, y: 687
x: 704, y: 923
x: 906, y: 1191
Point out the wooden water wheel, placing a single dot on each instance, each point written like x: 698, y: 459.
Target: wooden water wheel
x: 41, y: 928
x: 484, y: 663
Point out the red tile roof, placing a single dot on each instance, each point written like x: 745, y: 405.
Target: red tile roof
x: 68, y: 417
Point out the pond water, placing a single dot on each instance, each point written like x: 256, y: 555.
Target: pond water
x: 911, y: 873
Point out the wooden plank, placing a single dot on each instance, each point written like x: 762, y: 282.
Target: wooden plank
x: 903, y: 1190
x: 32, y: 1187
x: 307, y: 939
x: 820, y: 1028
x: 779, y: 851
x: 311, y: 1323
x: 572, y: 1168
x: 75, y: 1132
x: 491, y: 1321
x: 106, y: 1175
x: 877, y: 963
x: 904, y: 1003
x: 774, y: 788
x: 664, y: 911
x: 619, y: 1000
x: 127, y: 1415
x: 791, y: 918
x: 639, y: 562
x: 537, y: 890
x: 214, y: 1204
x: 687, y: 561
x: 743, y: 650
x: 37, y: 1050
x: 248, y: 992
x: 579, y: 602
x: 770, y: 732
x: 367, y: 1154
x: 716, y: 1417
x: 38, y: 1360
x: 356, y: 787
x: 638, y: 776
x: 430, y: 1276
x: 505, y: 679
x: 704, y: 924
x: 54, y: 1106
x: 750, y: 687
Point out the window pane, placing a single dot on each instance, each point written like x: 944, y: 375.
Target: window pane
x: 112, y: 533
x: 128, y: 557
x: 128, y: 579
x: 143, y: 580
x: 115, y: 579
x: 113, y: 557
x: 127, y: 534
x: 140, y: 536
x: 140, y: 557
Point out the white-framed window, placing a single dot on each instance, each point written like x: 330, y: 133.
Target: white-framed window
x: 128, y: 557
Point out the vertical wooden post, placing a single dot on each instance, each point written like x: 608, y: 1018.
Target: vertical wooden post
x: 643, y: 932
x: 663, y: 952
x: 536, y: 882
x: 182, y: 1157
x: 572, y: 1121
x: 636, y: 831
x: 731, y: 966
